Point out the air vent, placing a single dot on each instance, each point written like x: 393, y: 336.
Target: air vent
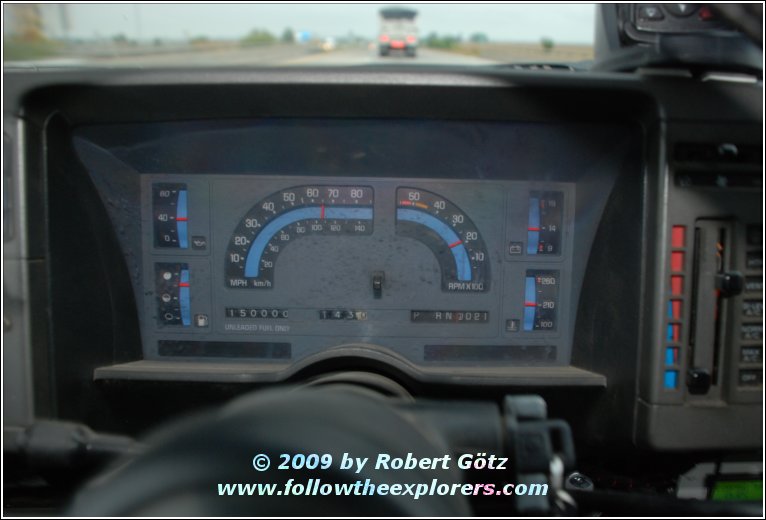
x: 718, y: 165
x: 687, y: 178
x: 541, y: 66
x: 727, y: 153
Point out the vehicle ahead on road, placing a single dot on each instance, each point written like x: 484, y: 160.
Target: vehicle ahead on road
x: 398, y: 31
x: 329, y: 44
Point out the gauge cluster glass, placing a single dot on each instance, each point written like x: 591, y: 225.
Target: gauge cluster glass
x: 397, y: 262
x: 437, y: 245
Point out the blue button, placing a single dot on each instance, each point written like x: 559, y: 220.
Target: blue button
x: 669, y: 356
x: 671, y: 379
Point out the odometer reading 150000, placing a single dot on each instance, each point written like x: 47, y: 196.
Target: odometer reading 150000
x: 289, y: 215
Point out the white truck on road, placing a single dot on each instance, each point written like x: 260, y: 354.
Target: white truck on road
x: 398, y: 31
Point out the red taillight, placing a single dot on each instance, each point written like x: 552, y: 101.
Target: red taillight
x: 705, y: 14
x: 384, y: 38
x: 411, y: 39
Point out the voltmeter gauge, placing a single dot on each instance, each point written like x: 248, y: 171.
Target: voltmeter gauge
x: 544, y: 224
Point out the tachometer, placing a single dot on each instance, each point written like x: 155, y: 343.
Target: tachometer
x: 449, y: 233
x: 288, y: 215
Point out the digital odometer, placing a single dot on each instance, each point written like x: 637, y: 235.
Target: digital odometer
x: 449, y: 233
x: 288, y: 215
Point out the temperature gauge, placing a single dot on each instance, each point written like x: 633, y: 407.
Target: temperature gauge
x: 544, y: 225
x: 541, y: 294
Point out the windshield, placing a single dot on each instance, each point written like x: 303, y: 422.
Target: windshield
x: 252, y: 35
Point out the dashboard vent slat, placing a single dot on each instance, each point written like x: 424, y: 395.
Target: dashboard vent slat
x: 718, y: 165
x: 720, y: 153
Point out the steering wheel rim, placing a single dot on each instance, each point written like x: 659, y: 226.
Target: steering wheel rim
x: 180, y: 472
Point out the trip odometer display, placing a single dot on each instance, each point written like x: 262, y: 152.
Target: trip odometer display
x: 449, y: 233
x: 288, y: 215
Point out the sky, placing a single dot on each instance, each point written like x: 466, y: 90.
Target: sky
x: 565, y: 23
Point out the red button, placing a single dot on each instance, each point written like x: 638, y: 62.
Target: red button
x: 677, y: 261
x: 677, y: 285
x: 676, y: 308
x: 678, y: 237
x: 676, y: 332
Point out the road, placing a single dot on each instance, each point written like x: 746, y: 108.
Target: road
x: 361, y: 56
x: 275, y: 55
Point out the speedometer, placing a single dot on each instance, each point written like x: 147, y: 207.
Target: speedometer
x: 449, y: 233
x: 287, y: 215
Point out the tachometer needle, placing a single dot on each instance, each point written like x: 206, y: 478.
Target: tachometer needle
x: 455, y: 244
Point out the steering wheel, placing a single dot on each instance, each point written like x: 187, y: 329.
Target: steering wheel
x: 188, y: 465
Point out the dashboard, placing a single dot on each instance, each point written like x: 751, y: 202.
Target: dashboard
x: 440, y: 245
x: 273, y: 235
